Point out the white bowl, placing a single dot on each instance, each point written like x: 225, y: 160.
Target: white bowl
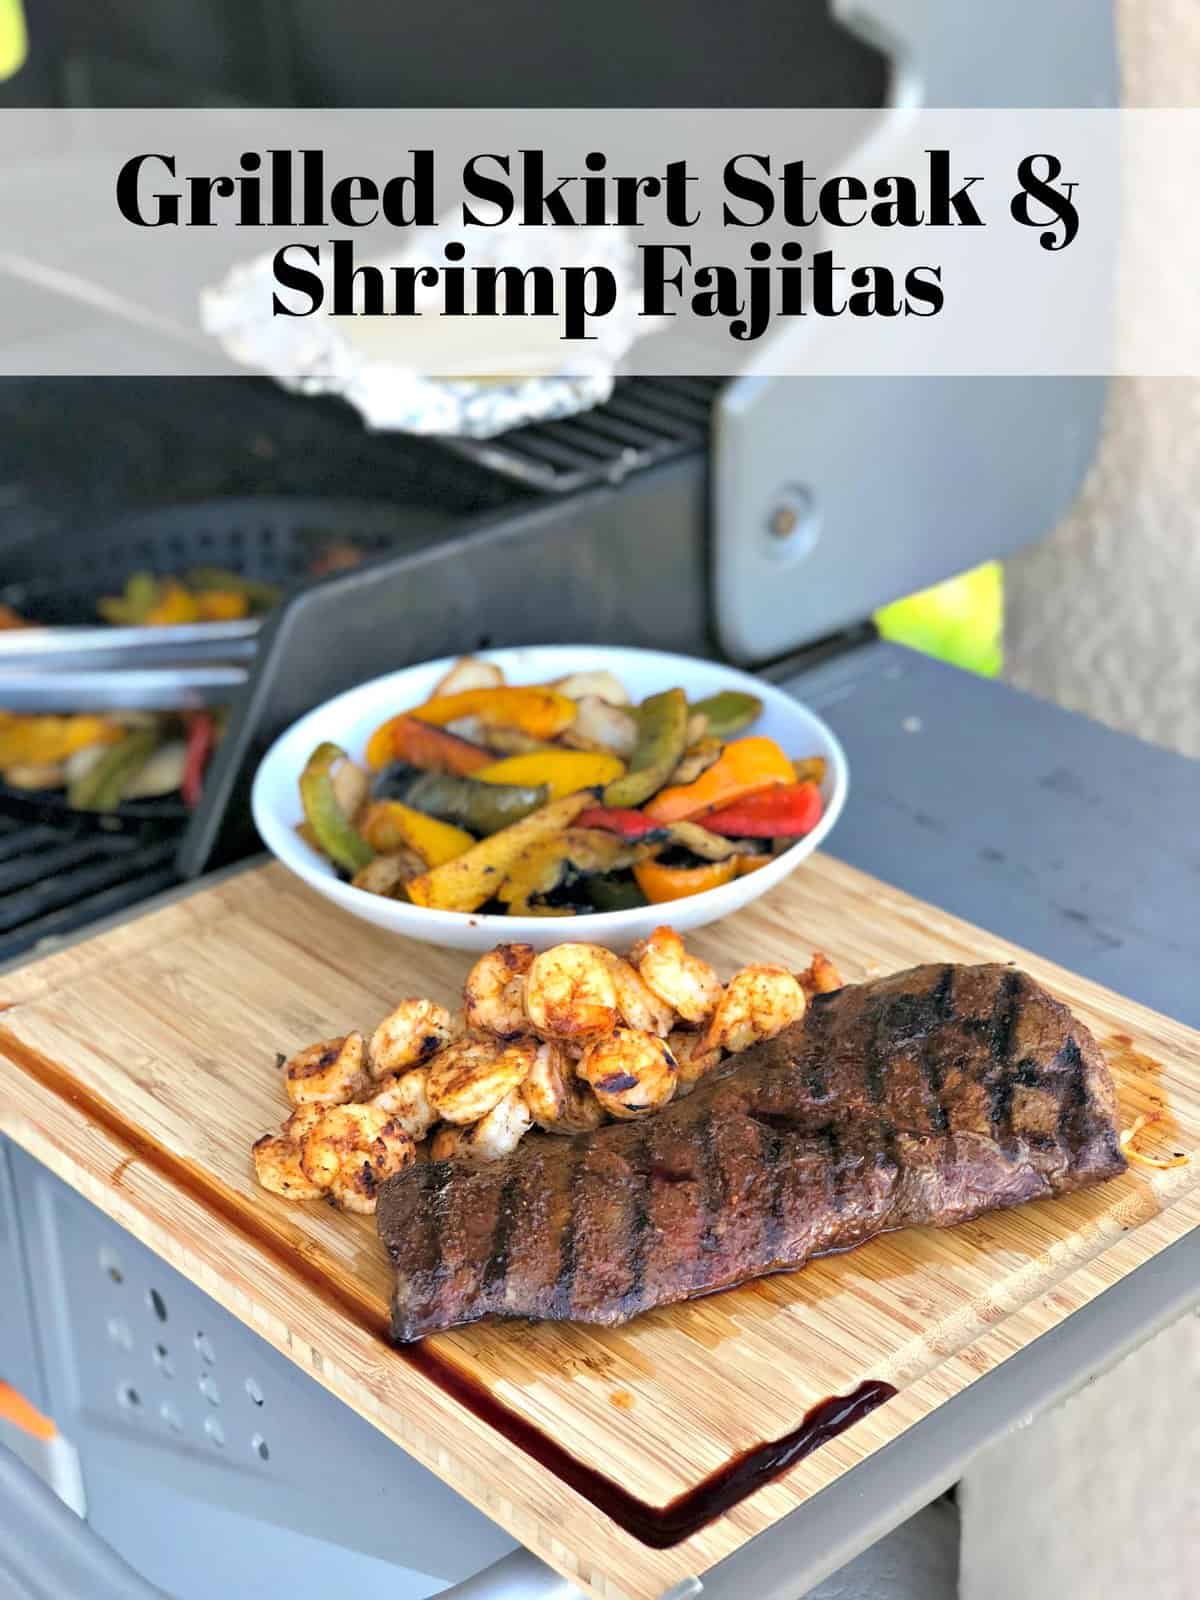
x: 351, y: 718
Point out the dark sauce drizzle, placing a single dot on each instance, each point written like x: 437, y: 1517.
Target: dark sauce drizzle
x: 656, y: 1526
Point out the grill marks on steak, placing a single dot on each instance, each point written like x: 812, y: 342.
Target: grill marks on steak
x: 927, y: 1097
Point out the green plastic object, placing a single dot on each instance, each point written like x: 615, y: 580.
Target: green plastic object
x: 960, y: 621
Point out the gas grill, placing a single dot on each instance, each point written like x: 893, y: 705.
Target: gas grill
x: 758, y: 520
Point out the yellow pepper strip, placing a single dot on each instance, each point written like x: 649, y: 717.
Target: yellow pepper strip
x: 47, y: 741
x: 174, y: 604
x: 221, y: 605
x: 562, y: 771
x: 389, y: 826
x: 541, y: 713
x: 466, y: 882
x: 659, y: 883
x: 745, y: 766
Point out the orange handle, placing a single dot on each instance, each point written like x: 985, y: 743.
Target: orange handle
x: 16, y: 1409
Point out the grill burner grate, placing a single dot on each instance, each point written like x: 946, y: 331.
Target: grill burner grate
x: 55, y: 879
x: 647, y: 421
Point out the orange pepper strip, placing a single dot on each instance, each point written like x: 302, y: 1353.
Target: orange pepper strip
x: 748, y: 863
x: 744, y: 767
x: 659, y: 883
x: 432, y: 749
x: 541, y: 713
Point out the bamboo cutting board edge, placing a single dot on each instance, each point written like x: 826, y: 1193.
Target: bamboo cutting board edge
x: 566, y: 1530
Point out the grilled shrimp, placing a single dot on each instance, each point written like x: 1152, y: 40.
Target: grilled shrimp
x: 328, y: 1073
x: 404, y: 1096
x: 500, y: 1132
x: 277, y: 1157
x: 677, y: 977
x: 470, y: 1076
x: 351, y: 1150
x: 557, y: 1101
x: 630, y: 1072
x: 494, y: 992
x: 414, y: 1031
x: 820, y: 976
x: 693, y: 1057
x: 447, y: 1143
x: 759, y: 1002
x: 638, y: 1004
x: 570, y: 992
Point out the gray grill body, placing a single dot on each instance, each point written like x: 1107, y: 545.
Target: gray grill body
x: 207, y: 1456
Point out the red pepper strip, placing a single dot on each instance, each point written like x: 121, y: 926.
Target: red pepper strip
x: 784, y: 812
x: 195, y: 757
x: 621, y: 820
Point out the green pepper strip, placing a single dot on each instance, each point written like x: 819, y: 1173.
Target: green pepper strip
x: 662, y: 734
x: 482, y: 807
x: 335, y: 833
x: 616, y: 891
x: 261, y: 596
x: 727, y: 713
x: 103, y: 785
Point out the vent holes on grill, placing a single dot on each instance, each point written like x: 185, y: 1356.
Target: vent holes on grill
x: 171, y: 1417
x: 110, y: 1263
x: 162, y: 1360
x: 205, y: 1348
x: 157, y: 1304
x: 253, y: 1390
x: 260, y: 1447
x: 128, y: 1397
x: 215, y: 1431
x: 208, y: 1388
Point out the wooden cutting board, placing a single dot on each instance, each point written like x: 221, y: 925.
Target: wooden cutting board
x: 140, y: 1065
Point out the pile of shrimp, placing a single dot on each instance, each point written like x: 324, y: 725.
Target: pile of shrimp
x: 561, y: 1041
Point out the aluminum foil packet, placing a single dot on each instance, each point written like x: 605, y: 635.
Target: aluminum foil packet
x: 469, y: 376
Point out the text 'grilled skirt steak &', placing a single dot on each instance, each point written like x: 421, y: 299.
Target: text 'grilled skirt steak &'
x: 926, y: 1097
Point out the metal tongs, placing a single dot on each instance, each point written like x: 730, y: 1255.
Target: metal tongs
x: 180, y: 667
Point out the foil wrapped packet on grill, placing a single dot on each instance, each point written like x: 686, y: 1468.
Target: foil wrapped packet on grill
x: 432, y: 357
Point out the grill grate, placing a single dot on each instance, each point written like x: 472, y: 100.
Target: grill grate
x: 647, y: 421
x: 56, y: 879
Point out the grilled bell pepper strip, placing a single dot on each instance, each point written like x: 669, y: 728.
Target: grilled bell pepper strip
x: 727, y: 713
x: 637, y: 827
x: 785, y: 812
x: 479, y: 807
x: 541, y: 713
x: 660, y: 883
x: 615, y: 891
x: 624, y: 821
x: 103, y: 785
x: 422, y: 745
x: 544, y: 877
x: 257, y: 594
x: 465, y: 883
x: 810, y: 769
x: 561, y: 771
x: 390, y: 826
x: 335, y: 833
x: 745, y: 766
x: 662, y: 734
x: 46, y: 741
x: 200, y: 735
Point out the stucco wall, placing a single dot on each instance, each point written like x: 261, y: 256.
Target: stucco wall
x: 1104, y: 615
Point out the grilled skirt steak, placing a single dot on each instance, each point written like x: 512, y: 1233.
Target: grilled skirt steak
x: 927, y: 1097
